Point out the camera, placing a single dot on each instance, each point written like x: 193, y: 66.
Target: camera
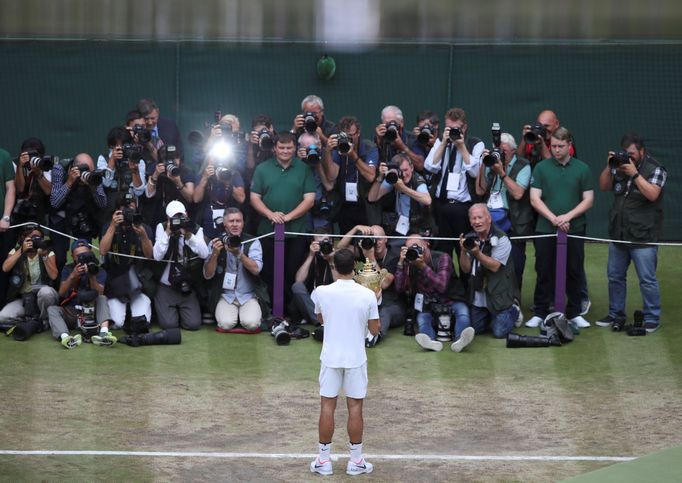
x: 495, y: 155
x: 455, y: 134
x: 470, y: 240
x: 414, y: 252
x: 25, y: 209
x: 143, y: 134
x: 231, y: 241
x: 44, y: 163
x: 131, y: 217
x: 536, y: 133
x: 91, y: 178
x: 326, y: 246
x: 309, y: 122
x: 178, y: 222
x: 322, y: 207
x: 619, y: 158
x: 367, y: 243
x: 344, y: 143
x: 39, y: 243
x: 223, y: 174
x: 392, y: 131
x: 281, y: 333
x: 425, y: 133
x: 172, y: 169
x: 90, y: 260
x: 265, y: 141
x: 132, y: 152
x: 393, y: 174
x: 312, y: 154
x: 81, y: 224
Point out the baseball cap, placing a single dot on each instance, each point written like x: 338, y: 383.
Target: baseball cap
x: 175, y: 207
x: 81, y: 242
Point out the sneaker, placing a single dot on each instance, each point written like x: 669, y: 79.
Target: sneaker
x: 360, y: 467
x: 464, y: 340
x: 534, y: 322
x: 106, y: 340
x: 427, y: 343
x: 651, y: 327
x: 605, y: 321
x: 585, y: 306
x: 519, y: 318
x: 372, y: 340
x: 72, y: 342
x: 321, y: 467
x: 297, y: 332
x: 579, y: 322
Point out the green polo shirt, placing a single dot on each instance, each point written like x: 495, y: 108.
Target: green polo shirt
x: 562, y: 190
x: 283, y: 190
x: 6, y: 174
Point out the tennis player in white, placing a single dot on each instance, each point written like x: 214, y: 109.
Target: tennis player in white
x: 347, y: 310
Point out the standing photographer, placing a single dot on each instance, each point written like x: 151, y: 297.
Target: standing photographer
x: 126, y: 234
x: 233, y: 269
x: 312, y: 120
x: 311, y: 152
x: 485, y: 254
x: 637, y: 182
x: 170, y: 181
x: 82, y: 293
x: 184, y: 249
x: 34, y: 271
x: 391, y: 137
x: 430, y: 279
x: 33, y: 180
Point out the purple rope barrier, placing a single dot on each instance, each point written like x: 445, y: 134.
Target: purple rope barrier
x: 560, y: 280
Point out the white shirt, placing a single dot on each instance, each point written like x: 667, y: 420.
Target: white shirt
x: 346, y: 307
x: 196, y: 243
x: 435, y: 166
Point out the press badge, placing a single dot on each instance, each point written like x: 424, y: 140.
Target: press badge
x: 495, y: 201
x: 230, y: 281
x: 217, y: 214
x: 453, y: 181
x: 419, y: 302
x: 352, y: 192
x: 403, y: 225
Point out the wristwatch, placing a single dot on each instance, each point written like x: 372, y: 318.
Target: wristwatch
x: 5, y: 218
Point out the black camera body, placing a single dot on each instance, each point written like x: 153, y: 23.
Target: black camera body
x: 131, y: 152
x: 619, y: 158
x: 326, y: 246
x: 178, y: 222
x: 414, y: 252
x: 470, y: 240
x: 265, y: 141
x: 82, y: 225
x: 425, y: 133
x: 39, y: 243
x: 44, y: 163
x: 143, y: 134
x: 131, y: 217
x: 312, y: 155
x: 309, y: 122
x: 367, y: 243
x: 25, y: 209
x: 392, y: 131
x: 393, y: 174
x: 172, y: 169
x: 455, y: 134
x: 537, y: 132
x: 223, y: 174
x: 495, y: 155
x: 344, y: 143
x: 231, y: 241
x: 90, y: 260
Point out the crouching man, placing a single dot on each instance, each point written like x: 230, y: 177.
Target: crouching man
x: 233, y: 267
x: 485, y: 255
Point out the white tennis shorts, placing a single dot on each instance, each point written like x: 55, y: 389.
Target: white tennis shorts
x: 353, y: 381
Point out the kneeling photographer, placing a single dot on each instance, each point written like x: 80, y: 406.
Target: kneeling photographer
x: 435, y: 290
x: 126, y: 234
x: 233, y: 269
x: 33, y: 271
x: 181, y: 244
x: 485, y: 254
x: 83, y: 306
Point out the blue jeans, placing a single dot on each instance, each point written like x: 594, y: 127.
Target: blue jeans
x: 459, y: 310
x: 645, y: 260
x: 501, y: 323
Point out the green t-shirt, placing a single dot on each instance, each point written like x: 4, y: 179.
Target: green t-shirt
x: 6, y: 174
x: 283, y: 190
x: 562, y: 190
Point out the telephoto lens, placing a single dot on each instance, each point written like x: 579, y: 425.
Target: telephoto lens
x: 392, y: 129
x: 280, y: 333
x: 414, y: 252
x: 367, y: 243
x: 343, y: 143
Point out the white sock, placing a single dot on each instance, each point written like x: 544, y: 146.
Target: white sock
x: 355, y: 451
x: 64, y: 336
x: 325, y: 451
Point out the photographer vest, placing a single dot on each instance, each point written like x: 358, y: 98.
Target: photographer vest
x: 22, y: 266
x: 34, y: 196
x: 499, y: 287
x: 81, y: 212
x: 421, y: 218
x: 190, y: 262
x: 521, y: 213
x: 632, y: 217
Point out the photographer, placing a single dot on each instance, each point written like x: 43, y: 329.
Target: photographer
x: 81, y: 288
x: 7, y: 198
x: 485, y: 255
x: 315, y: 270
x: 391, y: 137
x: 412, y: 198
x: 434, y: 288
x: 426, y: 134
x: 77, y: 196
x: 326, y: 205
x: 374, y: 247
x: 350, y: 164
x: 536, y: 138
x: 137, y: 128
x: 312, y: 120
x: 504, y: 185
x: 160, y: 127
x: 34, y: 271
x: 455, y: 160
x: 33, y: 181
x: 170, y: 181
x: 637, y: 181
x: 233, y: 268
x: 261, y: 143
x: 227, y: 132
x: 126, y: 234
x: 184, y: 249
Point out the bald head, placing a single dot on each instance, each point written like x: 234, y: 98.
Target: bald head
x: 550, y: 120
x: 84, y: 158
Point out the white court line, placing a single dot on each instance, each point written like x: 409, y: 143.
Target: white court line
x: 414, y: 457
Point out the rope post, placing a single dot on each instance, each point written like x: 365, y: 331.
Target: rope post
x: 278, y: 282
x: 560, y: 280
